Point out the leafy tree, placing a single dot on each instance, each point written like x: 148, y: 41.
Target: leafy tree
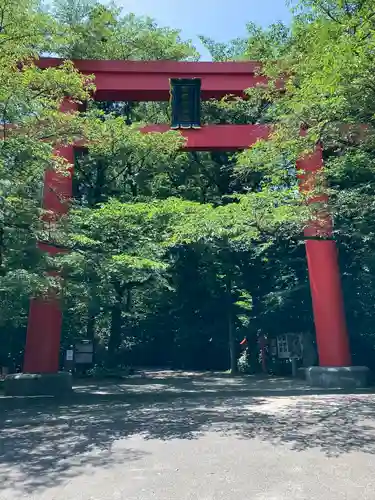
x: 92, y: 30
x: 328, y: 91
x: 258, y: 45
x: 115, y: 250
x: 31, y: 127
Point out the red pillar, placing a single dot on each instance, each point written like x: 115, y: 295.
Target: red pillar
x: 322, y: 260
x: 45, y: 315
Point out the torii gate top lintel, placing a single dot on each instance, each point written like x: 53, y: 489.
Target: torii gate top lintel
x: 149, y: 80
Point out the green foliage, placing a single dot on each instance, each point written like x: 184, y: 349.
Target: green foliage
x: 258, y: 45
x: 91, y: 30
x: 173, y: 256
x: 327, y: 69
x: 29, y: 101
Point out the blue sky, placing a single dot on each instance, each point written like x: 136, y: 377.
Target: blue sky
x: 218, y: 19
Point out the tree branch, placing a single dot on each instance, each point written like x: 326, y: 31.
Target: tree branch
x: 330, y: 15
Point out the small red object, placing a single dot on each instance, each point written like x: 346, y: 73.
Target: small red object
x: 244, y: 341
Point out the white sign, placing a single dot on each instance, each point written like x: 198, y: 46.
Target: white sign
x: 69, y: 355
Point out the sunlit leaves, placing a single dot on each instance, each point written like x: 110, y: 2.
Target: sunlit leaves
x: 31, y: 126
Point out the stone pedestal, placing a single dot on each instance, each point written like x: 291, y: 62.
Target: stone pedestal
x: 38, y: 384
x: 344, y: 377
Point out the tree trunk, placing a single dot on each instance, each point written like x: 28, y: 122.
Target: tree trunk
x: 231, y: 331
x: 116, y: 325
x: 232, y: 345
x: 90, y: 327
x: 2, y: 270
x: 115, y: 334
x: 100, y: 181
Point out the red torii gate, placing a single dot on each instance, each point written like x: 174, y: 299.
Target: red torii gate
x: 150, y: 81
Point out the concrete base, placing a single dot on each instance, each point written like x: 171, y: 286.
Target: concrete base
x: 344, y: 377
x: 38, y: 384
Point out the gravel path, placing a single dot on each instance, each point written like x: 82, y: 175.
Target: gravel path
x: 217, y: 446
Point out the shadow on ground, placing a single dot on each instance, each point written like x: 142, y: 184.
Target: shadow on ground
x: 45, y: 442
x: 168, y: 382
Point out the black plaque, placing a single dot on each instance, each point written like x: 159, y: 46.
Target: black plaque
x: 186, y: 103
